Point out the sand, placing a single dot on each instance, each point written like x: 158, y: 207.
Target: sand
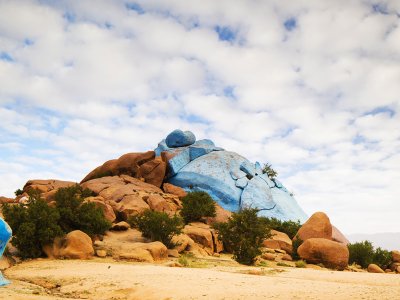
x: 107, y: 279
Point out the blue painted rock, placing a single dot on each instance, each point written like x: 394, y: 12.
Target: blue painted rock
x: 5, y: 235
x: 179, y: 138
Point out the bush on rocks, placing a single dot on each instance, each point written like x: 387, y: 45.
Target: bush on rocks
x: 243, y: 234
x: 364, y: 254
x: 34, y: 225
x: 196, y: 206
x: 157, y: 226
x: 288, y: 227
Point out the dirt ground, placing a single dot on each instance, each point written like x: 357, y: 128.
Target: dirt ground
x: 215, y: 278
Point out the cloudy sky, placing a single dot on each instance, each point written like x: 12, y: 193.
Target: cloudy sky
x: 313, y: 87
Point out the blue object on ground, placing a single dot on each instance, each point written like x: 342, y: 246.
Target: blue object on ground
x: 5, y: 235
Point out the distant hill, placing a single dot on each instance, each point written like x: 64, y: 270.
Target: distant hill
x: 386, y: 240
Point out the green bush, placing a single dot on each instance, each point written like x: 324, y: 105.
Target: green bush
x: 267, y: 169
x: 18, y: 192
x: 288, y: 227
x: 33, y: 226
x: 296, y: 243
x: 196, y: 206
x: 300, y: 264
x: 382, y: 258
x: 243, y: 234
x: 157, y: 226
x: 78, y: 215
x: 361, y: 253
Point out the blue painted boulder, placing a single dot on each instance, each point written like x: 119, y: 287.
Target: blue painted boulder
x: 5, y: 235
x: 179, y: 138
x: 229, y: 178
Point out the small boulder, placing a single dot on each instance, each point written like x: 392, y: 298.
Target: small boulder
x: 201, y: 234
x: 173, y: 253
x: 183, y: 242
x: 269, y: 256
x: 396, y: 256
x: 317, y: 226
x: 101, y: 253
x: 179, y: 138
x: 319, y: 250
x: 120, y: 226
x: 373, y: 268
x: 175, y: 190
x: 279, y: 240
x: 106, y: 208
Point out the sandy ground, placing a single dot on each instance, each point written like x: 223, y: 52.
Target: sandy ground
x: 107, y: 279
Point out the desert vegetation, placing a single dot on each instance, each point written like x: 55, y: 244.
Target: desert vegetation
x: 363, y: 253
x: 197, y: 205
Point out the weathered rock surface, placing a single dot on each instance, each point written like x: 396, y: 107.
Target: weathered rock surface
x: 338, y: 236
x: 137, y: 165
x: 373, y: 268
x: 76, y: 244
x: 317, y: 226
x: 229, y: 178
x: 203, y: 235
x: 175, y: 190
x: 221, y: 215
x: 47, y: 187
x: 106, y: 208
x: 6, y: 200
x: 120, y: 226
x: 128, y: 195
x: 179, y: 138
x: 396, y: 256
x: 279, y: 240
x: 319, y: 250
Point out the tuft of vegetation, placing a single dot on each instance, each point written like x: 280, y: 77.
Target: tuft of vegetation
x: 243, y: 234
x: 289, y: 227
x: 18, y: 192
x: 363, y: 254
x: 267, y: 169
x: 196, y: 206
x: 34, y: 225
x: 300, y: 264
x: 75, y: 214
x: 157, y: 226
x: 296, y: 243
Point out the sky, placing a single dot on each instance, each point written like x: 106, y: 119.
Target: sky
x: 310, y: 86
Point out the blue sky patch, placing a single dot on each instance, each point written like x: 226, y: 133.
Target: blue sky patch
x: 225, y: 33
x: 5, y: 56
x: 136, y: 7
x: 28, y: 42
x: 229, y: 91
x: 69, y: 16
x: 290, y: 24
x: 381, y: 110
x: 380, y: 8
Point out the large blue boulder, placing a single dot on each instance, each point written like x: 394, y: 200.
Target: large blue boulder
x: 5, y: 235
x: 179, y: 138
x: 230, y: 179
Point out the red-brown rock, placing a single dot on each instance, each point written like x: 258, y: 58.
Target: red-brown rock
x: 221, y: 215
x: 76, y: 244
x: 339, y: 237
x: 279, y: 240
x: 396, y: 256
x: 319, y: 250
x: 106, y: 208
x: 175, y: 190
x: 137, y: 165
x: 317, y: 226
x: 47, y: 187
x: 373, y: 268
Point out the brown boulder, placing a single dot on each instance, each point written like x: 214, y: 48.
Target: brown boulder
x: 339, y: 237
x: 159, y: 203
x: 221, y: 215
x: 317, y: 226
x: 6, y: 200
x: 319, y: 250
x: 76, y: 244
x: 396, y: 256
x: 137, y: 165
x: 106, y: 208
x: 47, y: 187
x: 147, y: 252
x: 201, y: 234
x: 120, y: 226
x: 131, y: 205
x: 182, y: 242
x: 279, y: 240
x: 373, y: 268
x: 175, y: 190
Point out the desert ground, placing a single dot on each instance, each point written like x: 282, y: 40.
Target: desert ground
x: 215, y: 278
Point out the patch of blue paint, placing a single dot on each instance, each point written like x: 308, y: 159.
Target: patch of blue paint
x: 135, y: 7
x: 5, y: 56
x: 290, y: 24
x: 225, y: 33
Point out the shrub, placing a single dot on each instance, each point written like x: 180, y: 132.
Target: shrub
x: 288, y: 227
x: 267, y: 169
x: 196, y: 205
x: 295, y: 245
x: 243, y: 234
x: 157, y: 226
x: 18, y: 192
x: 300, y: 264
x: 78, y: 215
x: 361, y: 253
x: 34, y: 226
x: 382, y: 258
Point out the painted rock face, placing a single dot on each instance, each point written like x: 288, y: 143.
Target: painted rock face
x: 230, y: 179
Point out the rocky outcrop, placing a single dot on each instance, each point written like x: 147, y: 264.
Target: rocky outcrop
x: 339, y: 237
x: 319, y: 250
x: 47, y: 187
x: 179, y: 138
x: 373, y: 268
x: 317, y: 226
x: 76, y: 244
x: 107, y: 209
x: 203, y: 235
x: 221, y: 215
x: 396, y: 256
x: 128, y: 195
x: 175, y: 190
x: 279, y: 240
x: 137, y: 165
x: 6, y: 200
x: 230, y: 179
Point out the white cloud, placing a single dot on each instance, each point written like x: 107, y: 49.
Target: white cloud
x: 84, y: 83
